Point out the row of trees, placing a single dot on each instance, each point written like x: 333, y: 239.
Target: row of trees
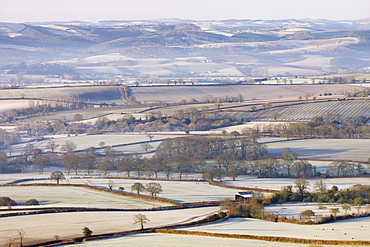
x: 213, y: 157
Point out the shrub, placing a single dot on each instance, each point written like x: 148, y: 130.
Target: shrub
x: 86, y: 231
x: 32, y: 202
x: 6, y: 201
x: 221, y: 214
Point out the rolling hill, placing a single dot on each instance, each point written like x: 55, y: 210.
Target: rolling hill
x: 277, y: 47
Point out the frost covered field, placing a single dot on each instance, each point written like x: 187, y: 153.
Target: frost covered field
x: 180, y: 191
x: 352, y: 229
x: 294, y: 209
x: 277, y: 183
x: 334, y: 149
x: 68, y: 225
x: 6, y: 105
x: 86, y: 141
x: 50, y: 196
x: 169, y: 240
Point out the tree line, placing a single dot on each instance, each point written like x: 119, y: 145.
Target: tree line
x: 213, y: 157
x: 330, y: 126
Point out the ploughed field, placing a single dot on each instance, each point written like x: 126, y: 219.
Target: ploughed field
x: 343, y: 110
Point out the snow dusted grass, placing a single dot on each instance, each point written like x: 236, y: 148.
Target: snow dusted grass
x: 352, y: 229
x: 50, y: 196
x: 68, y: 225
x: 277, y: 183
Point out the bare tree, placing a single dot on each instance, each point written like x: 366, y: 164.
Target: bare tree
x: 57, y: 176
x: 110, y: 184
x: 153, y: 189
x: 41, y: 162
x: 52, y: 146
x: 138, y: 187
x: 320, y: 187
x: 71, y: 162
x: 10, y: 150
x: 68, y: 147
x: 140, y: 219
x: 301, y: 185
x: 146, y: 146
x: 3, y: 160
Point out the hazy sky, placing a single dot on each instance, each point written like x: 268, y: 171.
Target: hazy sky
x: 95, y: 10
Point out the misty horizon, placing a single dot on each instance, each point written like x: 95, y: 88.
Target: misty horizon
x: 93, y: 11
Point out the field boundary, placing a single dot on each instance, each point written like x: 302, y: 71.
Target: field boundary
x: 241, y: 188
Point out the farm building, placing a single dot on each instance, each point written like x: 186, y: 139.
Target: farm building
x: 245, y: 195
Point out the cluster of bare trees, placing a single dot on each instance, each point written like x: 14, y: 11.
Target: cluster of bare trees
x: 152, y: 188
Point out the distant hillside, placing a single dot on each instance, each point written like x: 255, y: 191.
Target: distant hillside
x: 266, y: 45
